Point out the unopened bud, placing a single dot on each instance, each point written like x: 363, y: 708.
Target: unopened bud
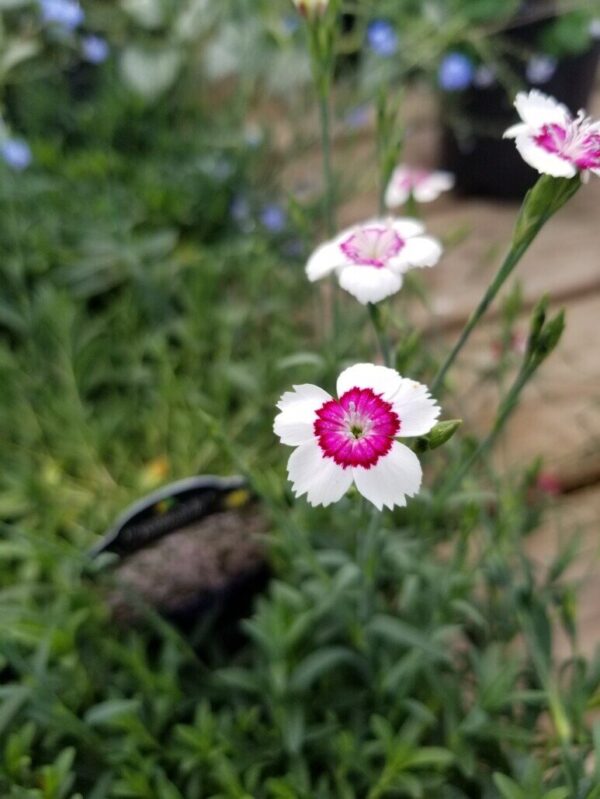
x: 311, y: 8
x: 440, y: 434
x: 551, y: 335
x: 538, y: 318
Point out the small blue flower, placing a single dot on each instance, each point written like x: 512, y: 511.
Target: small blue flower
x: 484, y: 77
x: 456, y: 72
x: 290, y: 23
x: 16, y: 154
x: 273, y: 218
x: 358, y: 117
x: 95, y: 49
x: 67, y: 14
x: 382, y: 38
x: 540, y: 68
x: 294, y: 248
x: 239, y: 209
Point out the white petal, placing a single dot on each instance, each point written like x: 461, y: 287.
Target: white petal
x: 516, y: 130
x: 406, y: 227
x: 381, y: 379
x: 394, y: 477
x: 416, y: 408
x: 546, y: 163
x: 418, y: 251
x: 430, y: 189
x: 369, y: 283
x: 325, y: 259
x: 537, y: 109
x: 294, y: 425
x: 395, y: 194
x: 320, y: 478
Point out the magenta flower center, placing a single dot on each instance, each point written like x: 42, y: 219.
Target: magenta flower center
x: 372, y: 246
x: 356, y: 430
x: 578, y: 142
x: 413, y: 178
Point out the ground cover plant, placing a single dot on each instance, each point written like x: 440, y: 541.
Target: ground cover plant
x: 159, y: 298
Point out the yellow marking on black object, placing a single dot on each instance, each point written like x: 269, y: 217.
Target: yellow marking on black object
x: 164, y: 505
x: 237, y: 498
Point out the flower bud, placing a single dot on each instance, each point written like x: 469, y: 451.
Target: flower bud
x: 438, y: 435
x: 311, y: 8
x: 551, y: 335
x: 538, y: 319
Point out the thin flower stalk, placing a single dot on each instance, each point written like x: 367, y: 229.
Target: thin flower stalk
x: 541, y: 203
x: 542, y: 341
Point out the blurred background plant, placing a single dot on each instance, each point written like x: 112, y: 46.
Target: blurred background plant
x: 152, y: 277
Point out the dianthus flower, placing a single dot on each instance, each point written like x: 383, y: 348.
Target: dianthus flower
x: 371, y: 258
x: 424, y: 186
x: 353, y: 439
x: 551, y: 140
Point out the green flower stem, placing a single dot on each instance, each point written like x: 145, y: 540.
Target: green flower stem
x: 412, y: 207
x: 366, y: 556
x: 381, y: 334
x: 541, y: 202
x: 389, y: 144
x: 328, y: 184
x: 508, y: 406
x: 542, y: 341
x: 321, y: 39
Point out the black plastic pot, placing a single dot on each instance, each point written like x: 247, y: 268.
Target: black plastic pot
x: 472, y: 144
x: 189, y: 550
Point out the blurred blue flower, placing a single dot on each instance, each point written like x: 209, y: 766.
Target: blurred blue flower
x: 16, y: 154
x: 273, y: 218
x: 358, y: 117
x: 294, y: 248
x: 540, y: 68
x: 239, y: 209
x: 382, y: 38
x: 95, y: 49
x: 253, y: 136
x: 290, y: 23
x: 66, y: 13
x: 456, y: 72
x: 484, y: 77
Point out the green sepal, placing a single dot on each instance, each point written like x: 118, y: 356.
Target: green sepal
x: 439, y: 435
x: 541, y: 202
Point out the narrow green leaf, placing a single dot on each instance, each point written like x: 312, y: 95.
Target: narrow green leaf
x: 110, y: 711
x: 320, y: 663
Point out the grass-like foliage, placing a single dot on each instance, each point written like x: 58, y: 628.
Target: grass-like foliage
x: 145, y: 335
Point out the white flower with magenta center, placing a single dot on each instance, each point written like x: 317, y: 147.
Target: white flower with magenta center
x: 551, y: 140
x: 353, y: 439
x: 424, y: 186
x: 371, y: 258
